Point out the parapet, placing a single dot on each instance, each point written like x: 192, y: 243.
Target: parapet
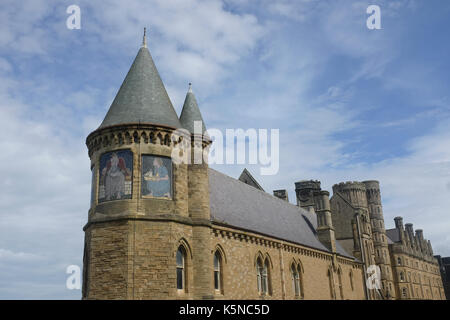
x: 372, y: 184
x: 349, y: 186
x: 307, y: 184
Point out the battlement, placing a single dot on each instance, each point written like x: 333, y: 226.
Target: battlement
x: 307, y: 184
x: 349, y: 186
x: 372, y: 184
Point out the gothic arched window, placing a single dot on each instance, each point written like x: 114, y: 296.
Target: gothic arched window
x: 181, y: 268
x: 218, y: 271
x: 259, y: 271
x: 263, y: 276
x: 295, y: 280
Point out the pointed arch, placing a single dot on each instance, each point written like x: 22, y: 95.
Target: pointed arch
x: 183, y: 242
x: 258, y: 255
x: 159, y: 139
x: 219, y: 248
x: 267, y: 257
x: 144, y: 137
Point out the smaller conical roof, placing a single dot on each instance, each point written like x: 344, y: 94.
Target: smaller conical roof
x: 191, y: 112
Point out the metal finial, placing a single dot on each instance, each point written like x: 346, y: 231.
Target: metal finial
x: 144, y: 39
x: 190, y: 87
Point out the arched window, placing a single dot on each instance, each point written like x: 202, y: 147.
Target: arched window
x: 263, y: 276
x: 399, y: 261
x: 402, y: 277
x: 259, y: 271
x: 218, y: 271
x: 295, y: 280
x: 181, y: 269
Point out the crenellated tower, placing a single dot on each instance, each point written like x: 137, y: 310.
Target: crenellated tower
x: 351, y: 219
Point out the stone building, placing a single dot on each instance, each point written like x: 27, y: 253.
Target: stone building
x: 415, y: 269
x: 159, y: 228
x: 444, y: 265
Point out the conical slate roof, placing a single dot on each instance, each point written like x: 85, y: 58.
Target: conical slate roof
x: 191, y: 112
x: 142, y: 98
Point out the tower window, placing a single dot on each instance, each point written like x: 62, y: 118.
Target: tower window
x: 218, y: 271
x: 181, y: 269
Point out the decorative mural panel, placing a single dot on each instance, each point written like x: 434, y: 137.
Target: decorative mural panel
x: 156, y: 177
x: 116, y: 176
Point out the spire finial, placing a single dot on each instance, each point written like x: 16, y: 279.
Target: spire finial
x: 144, y: 39
x: 190, y: 87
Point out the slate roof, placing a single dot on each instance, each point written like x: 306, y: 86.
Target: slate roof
x: 191, y: 113
x: 247, y: 178
x: 142, y: 97
x: 393, y: 235
x: 240, y: 205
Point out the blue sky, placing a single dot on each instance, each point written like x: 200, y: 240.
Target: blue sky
x: 350, y: 103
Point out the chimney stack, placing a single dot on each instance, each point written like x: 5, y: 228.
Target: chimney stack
x: 305, y: 191
x: 325, y: 230
x: 399, y: 223
x: 282, y: 194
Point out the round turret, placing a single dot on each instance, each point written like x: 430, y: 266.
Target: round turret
x: 353, y: 191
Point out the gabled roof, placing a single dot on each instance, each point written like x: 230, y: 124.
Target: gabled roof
x: 191, y: 113
x: 393, y: 235
x: 142, y: 98
x: 247, y: 178
x: 242, y: 206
